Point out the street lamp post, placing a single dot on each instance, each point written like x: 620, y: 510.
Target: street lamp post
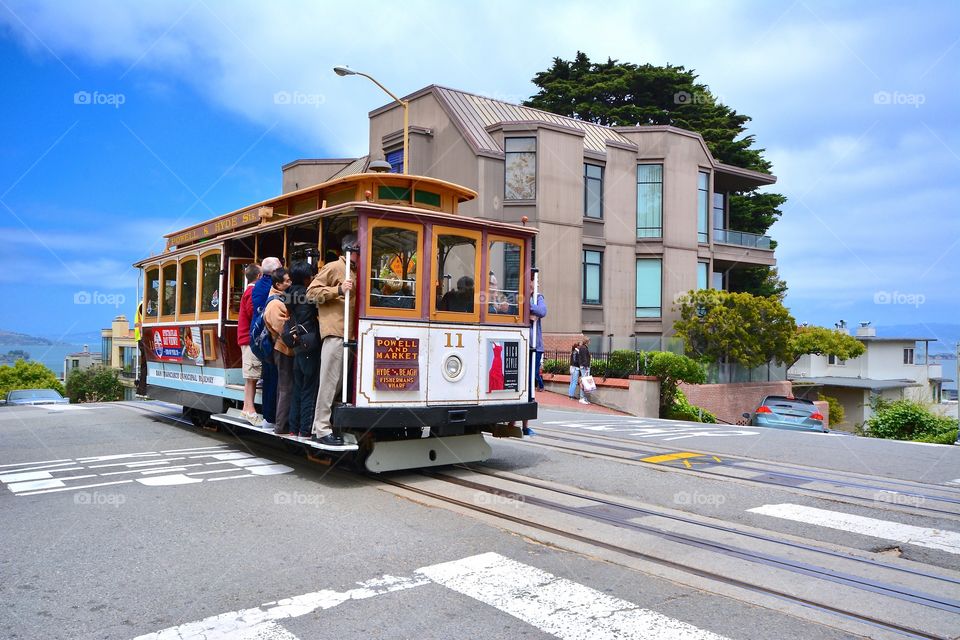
x: 346, y: 71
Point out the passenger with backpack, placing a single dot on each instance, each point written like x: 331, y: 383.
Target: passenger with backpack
x: 302, y: 334
x: 275, y: 317
x: 259, y: 295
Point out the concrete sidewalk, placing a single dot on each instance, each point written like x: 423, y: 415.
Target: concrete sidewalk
x: 551, y: 400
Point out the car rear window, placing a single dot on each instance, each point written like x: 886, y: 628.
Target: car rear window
x: 35, y: 394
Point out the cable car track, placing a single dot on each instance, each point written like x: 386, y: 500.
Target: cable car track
x: 833, y: 495
x: 887, y: 590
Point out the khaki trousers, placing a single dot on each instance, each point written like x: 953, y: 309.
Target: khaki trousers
x: 331, y: 378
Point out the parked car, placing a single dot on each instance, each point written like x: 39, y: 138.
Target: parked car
x: 781, y: 412
x: 23, y: 397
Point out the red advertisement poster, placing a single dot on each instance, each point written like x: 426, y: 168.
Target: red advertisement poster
x: 167, y: 346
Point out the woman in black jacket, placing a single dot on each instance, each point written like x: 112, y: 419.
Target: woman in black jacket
x: 302, y: 333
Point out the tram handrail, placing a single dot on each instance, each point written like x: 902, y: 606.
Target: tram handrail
x: 346, y: 333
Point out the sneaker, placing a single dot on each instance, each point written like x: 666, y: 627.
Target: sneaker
x: 584, y: 401
x: 252, y: 417
x: 266, y: 424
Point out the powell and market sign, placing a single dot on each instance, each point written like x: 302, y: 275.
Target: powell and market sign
x: 218, y: 226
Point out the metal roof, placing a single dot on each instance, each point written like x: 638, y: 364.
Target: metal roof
x: 475, y: 114
x: 858, y: 383
x: 357, y: 166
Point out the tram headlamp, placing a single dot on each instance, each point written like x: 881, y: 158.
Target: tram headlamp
x: 452, y: 367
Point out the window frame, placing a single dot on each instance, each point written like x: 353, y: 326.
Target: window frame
x: 235, y: 264
x: 586, y: 181
x: 659, y: 307
x: 144, y: 318
x: 161, y: 317
x: 478, y: 297
x: 703, y: 237
x: 703, y: 265
x: 181, y: 316
x: 367, y: 261
x: 637, y: 184
x: 912, y: 352
x: 506, y: 164
x: 583, y: 276
x: 215, y: 314
x: 504, y: 318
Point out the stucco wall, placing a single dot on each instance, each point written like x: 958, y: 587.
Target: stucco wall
x: 729, y: 401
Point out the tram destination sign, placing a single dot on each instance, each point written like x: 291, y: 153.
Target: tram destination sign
x: 396, y: 364
x: 215, y: 227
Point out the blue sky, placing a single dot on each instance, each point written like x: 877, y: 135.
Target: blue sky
x: 175, y: 121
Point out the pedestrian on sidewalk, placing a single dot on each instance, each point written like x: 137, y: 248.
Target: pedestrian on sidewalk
x: 584, y: 368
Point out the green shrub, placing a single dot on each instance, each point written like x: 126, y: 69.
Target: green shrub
x: 909, y: 420
x: 836, y: 409
x: 598, y: 368
x: 27, y: 375
x: 621, y: 363
x: 672, y: 369
x: 96, y: 384
x: 554, y: 366
x: 683, y: 410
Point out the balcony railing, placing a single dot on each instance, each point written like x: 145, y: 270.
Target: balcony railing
x: 741, y: 238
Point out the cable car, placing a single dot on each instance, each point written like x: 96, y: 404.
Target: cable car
x: 438, y: 331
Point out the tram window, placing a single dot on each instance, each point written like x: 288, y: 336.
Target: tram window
x: 210, y: 287
x: 188, y: 287
x: 393, y: 266
x: 456, y: 271
x: 169, y: 298
x: 153, y: 293
x: 270, y: 245
x: 238, y: 284
x: 302, y: 242
x: 504, y: 284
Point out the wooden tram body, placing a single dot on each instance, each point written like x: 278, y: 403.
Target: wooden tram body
x: 435, y: 364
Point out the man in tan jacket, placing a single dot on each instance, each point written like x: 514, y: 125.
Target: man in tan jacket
x: 275, y: 317
x: 327, y: 292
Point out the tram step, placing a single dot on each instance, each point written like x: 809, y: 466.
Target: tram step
x: 233, y: 418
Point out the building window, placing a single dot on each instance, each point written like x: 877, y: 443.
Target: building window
x: 649, y: 200
x: 592, y: 191
x: 648, y: 287
x: 719, y: 219
x: 703, y: 203
x: 718, y: 280
x: 106, y: 348
x: 834, y: 360
x: 395, y: 158
x: 703, y: 273
x: 908, y: 356
x: 520, y: 181
x: 592, y: 290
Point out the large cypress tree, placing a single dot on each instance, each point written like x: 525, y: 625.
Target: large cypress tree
x: 615, y: 93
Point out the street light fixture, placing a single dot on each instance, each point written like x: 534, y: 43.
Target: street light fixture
x: 347, y: 71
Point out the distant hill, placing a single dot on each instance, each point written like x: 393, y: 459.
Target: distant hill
x: 12, y: 337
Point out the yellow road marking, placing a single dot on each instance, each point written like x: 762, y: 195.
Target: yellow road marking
x: 671, y: 456
x: 687, y: 464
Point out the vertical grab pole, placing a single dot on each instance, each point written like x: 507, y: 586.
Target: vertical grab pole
x: 533, y: 340
x: 346, y: 333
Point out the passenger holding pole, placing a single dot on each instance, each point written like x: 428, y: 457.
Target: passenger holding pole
x: 330, y: 291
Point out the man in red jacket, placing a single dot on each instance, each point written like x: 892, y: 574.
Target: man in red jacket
x: 251, y: 365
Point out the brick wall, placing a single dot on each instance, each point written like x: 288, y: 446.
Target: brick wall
x: 562, y: 342
x: 729, y: 401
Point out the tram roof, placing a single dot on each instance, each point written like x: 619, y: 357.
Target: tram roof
x: 447, y: 194
x: 261, y: 215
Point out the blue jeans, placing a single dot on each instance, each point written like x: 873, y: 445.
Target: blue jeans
x: 539, y: 378
x: 269, y: 391
x: 574, y: 382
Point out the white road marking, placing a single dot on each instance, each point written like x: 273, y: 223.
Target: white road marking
x: 155, y: 469
x: 246, y: 622
x: 219, y: 446
x: 957, y: 481
x: 44, y: 462
x: 940, y: 539
x: 560, y: 607
x: 83, y: 486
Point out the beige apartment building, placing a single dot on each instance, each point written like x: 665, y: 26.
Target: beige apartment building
x: 629, y: 217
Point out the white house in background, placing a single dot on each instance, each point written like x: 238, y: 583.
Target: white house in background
x: 892, y: 368
x: 80, y: 360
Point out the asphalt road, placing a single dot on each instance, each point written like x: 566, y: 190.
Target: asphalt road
x: 119, y: 523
